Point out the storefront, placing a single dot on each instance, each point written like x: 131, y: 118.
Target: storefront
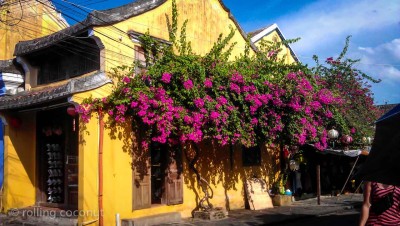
x: 57, y: 159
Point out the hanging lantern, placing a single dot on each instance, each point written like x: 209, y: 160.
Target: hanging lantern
x: 333, y: 134
x: 369, y: 140
x: 346, y: 139
x: 15, y: 122
x: 294, y: 165
x: 71, y: 111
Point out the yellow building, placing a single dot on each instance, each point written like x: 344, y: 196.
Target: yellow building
x: 53, y: 160
x: 273, y: 34
x: 26, y: 20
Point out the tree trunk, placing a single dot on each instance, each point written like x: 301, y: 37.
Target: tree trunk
x: 204, y: 203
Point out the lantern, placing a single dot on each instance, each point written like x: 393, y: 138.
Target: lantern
x: 346, y: 139
x: 71, y: 111
x: 333, y: 134
x: 369, y: 140
x: 15, y: 122
x: 294, y: 165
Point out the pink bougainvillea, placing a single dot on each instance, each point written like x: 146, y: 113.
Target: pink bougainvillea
x: 247, y: 102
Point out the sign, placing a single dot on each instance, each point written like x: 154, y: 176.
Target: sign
x: 257, y: 194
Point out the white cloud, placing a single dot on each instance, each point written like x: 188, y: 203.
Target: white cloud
x: 375, y: 29
x: 324, y: 22
x: 382, y: 61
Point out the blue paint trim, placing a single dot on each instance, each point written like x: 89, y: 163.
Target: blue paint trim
x: 1, y: 154
x: 2, y: 85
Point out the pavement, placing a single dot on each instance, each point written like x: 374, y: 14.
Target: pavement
x: 283, y: 214
x: 299, y: 210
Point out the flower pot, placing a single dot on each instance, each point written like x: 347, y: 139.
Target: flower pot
x: 282, y: 200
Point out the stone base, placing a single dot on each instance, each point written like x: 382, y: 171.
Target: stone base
x: 165, y: 218
x: 214, y: 214
x: 282, y: 200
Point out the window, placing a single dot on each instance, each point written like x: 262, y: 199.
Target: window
x: 251, y: 156
x: 67, y: 61
x: 163, y: 181
x: 140, y: 60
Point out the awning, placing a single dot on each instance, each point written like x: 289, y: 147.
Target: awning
x: 75, y: 85
x: 382, y: 164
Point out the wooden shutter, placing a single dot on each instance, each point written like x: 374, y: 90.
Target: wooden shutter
x: 140, y: 59
x: 174, y: 178
x: 141, y: 190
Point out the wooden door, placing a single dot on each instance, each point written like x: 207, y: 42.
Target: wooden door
x: 141, y: 186
x: 174, y: 178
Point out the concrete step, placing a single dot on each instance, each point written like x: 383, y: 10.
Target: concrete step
x: 38, y: 216
x: 165, y: 218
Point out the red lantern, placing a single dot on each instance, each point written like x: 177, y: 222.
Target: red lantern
x: 71, y: 111
x: 346, y: 139
x: 15, y: 122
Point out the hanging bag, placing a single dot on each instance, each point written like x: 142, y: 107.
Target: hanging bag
x: 383, y: 204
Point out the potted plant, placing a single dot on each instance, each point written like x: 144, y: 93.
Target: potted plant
x: 280, y: 199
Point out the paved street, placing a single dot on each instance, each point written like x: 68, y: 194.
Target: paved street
x: 342, y: 218
x: 342, y: 210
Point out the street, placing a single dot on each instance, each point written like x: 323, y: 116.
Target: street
x: 343, y: 218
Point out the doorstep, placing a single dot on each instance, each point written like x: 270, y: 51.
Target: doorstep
x: 42, y: 216
x: 165, y: 218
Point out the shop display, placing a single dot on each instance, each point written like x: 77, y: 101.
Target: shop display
x: 55, y: 169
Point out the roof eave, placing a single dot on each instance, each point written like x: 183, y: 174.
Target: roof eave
x: 268, y: 30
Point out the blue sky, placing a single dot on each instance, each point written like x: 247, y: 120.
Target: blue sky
x: 323, y: 26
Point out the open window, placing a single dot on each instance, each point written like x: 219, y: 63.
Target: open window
x: 251, y: 156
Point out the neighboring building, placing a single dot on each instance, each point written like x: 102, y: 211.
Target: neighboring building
x: 273, y: 34
x: 53, y: 160
x: 20, y: 21
x: 385, y: 108
x: 26, y: 20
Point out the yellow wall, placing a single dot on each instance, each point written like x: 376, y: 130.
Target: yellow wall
x: 285, y: 52
x: 88, y: 169
x: 206, y: 21
x: 120, y: 146
x: 37, y: 21
x: 20, y: 159
x: 203, y: 30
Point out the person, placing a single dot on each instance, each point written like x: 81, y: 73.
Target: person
x: 374, y: 191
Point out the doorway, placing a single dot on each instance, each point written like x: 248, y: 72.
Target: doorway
x: 57, y: 159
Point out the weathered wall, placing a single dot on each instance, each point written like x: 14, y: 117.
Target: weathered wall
x: 120, y: 147
x: 207, y: 19
x: 34, y: 20
x: 19, y: 163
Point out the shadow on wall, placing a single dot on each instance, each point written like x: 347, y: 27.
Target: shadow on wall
x: 220, y: 167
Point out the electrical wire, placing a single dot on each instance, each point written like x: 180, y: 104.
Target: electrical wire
x: 78, y: 40
x: 152, y: 27
x: 7, y: 12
